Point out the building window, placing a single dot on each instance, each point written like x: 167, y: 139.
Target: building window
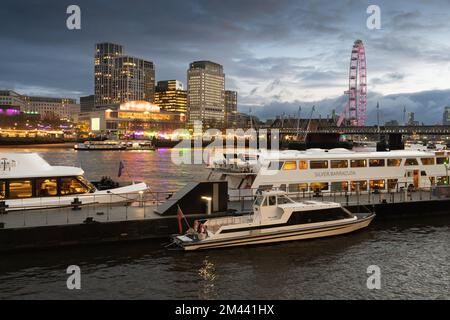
x: 376, y: 162
x: 358, y: 163
x: 46, y: 187
x: 319, y: 186
x: 318, y: 164
x: 71, y: 185
x: 427, y: 161
x: 361, y: 185
x: 20, y: 189
x: 339, y: 186
x: 441, y: 160
x: 298, y: 187
x: 377, y: 184
x: 339, y: 164
x: 290, y: 165
x: 411, y: 162
x: 442, y: 181
x: 394, y: 162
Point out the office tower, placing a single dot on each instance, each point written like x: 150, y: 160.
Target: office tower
x: 171, y: 96
x: 105, y: 53
x: 206, y: 94
x: 134, y: 79
x: 230, y: 108
x: 446, y: 117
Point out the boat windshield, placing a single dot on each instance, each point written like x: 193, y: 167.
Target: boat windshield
x: 284, y: 199
x: 86, y: 183
x: 258, y: 200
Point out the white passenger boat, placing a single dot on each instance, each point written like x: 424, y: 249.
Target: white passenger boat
x: 330, y: 171
x: 29, y: 182
x: 275, y: 218
x: 100, y: 145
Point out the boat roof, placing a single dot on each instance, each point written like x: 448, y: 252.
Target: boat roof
x: 31, y: 165
x: 344, y: 154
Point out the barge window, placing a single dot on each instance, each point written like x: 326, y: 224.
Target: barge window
x: 411, y: 162
x: 70, y: 185
x: 298, y: 187
x: 20, y: 189
x: 394, y: 162
x: 2, y: 189
x: 427, y: 161
x: 302, y: 165
x: 318, y: 164
x: 362, y: 185
x: 322, y: 186
x: 441, y: 160
x: 376, y: 162
x: 339, y: 164
x: 441, y: 181
x: 358, y: 163
x: 377, y: 184
x: 392, y: 183
x: 46, y: 187
x: 339, y: 186
x: 290, y: 165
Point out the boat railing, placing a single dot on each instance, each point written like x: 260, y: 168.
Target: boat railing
x: 242, y: 199
x: 81, y: 208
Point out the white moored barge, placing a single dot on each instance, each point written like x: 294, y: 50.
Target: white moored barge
x: 275, y: 218
x: 330, y: 171
x: 29, y: 182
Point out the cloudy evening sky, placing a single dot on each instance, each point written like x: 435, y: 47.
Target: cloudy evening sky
x: 278, y: 54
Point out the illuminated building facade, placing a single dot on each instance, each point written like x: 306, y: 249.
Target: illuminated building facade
x: 137, y: 118
x: 171, y: 96
x: 134, y: 79
x: 46, y: 107
x: 230, y: 109
x: 105, y: 53
x: 120, y: 78
x: 206, y: 94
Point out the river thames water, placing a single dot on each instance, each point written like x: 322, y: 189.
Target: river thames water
x: 413, y: 254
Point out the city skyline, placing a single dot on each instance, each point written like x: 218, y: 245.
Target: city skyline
x: 278, y: 54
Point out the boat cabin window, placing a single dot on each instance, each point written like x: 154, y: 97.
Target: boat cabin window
x: 441, y: 160
x: 427, y: 161
x: 302, y: 165
x: 264, y: 187
x: 392, y: 183
x: 70, y: 185
x: 318, y: 164
x: 319, y: 186
x: 339, y: 164
x: 87, y: 183
x: 298, y: 187
x: 358, y: 163
x: 46, y: 187
x: 290, y: 165
x: 339, y: 186
x: 2, y: 189
x: 376, y: 162
x: 272, y: 201
x: 258, y: 200
x: 394, y: 162
x: 275, y: 165
x: 411, y: 162
x: 362, y: 185
x: 22, y: 188
x: 377, y: 184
